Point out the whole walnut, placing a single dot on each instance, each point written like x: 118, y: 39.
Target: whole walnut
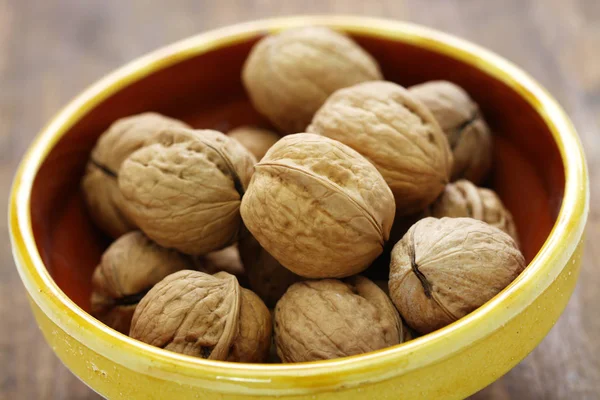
x: 227, y: 259
x: 129, y: 268
x: 289, y: 75
x: 266, y: 276
x: 183, y: 189
x: 463, y: 199
x: 329, y: 318
x: 443, y: 269
x: 468, y: 134
x: 256, y: 140
x: 396, y: 132
x: 202, y: 315
x: 318, y: 207
x: 99, y: 184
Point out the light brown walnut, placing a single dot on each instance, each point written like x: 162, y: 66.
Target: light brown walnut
x: 99, y: 184
x: 329, y: 318
x: 202, y: 315
x: 463, y: 199
x: 256, y: 140
x: 129, y: 268
x: 443, y: 269
x: 183, y: 189
x: 289, y: 75
x: 385, y: 123
x: 318, y: 207
x: 461, y: 120
x: 266, y: 276
x: 227, y: 259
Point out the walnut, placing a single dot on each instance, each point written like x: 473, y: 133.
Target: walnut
x: 289, y: 75
x: 318, y: 207
x: 463, y: 199
x: 99, y: 184
x: 266, y: 276
x: 468, y: 134
x: 325, y: 319
x: 227, y: 259
x: 183, y: 189
x: 387, y: 125
x: 443, y: 269
x: 129, y: 268
x: 202, y: 315
x: 256, y: 140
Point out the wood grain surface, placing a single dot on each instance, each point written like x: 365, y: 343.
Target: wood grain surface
x: 52, y: 49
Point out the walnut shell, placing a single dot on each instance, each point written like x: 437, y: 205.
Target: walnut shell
x: 460, y: 119
x: 325, y: 319
x: 183, y: 189
x: 387, y: 125
x: 443, y: 269
x: 266, y: 276
x: 208, y: 316
x: 256, y: 140
x: 463, y: 199
x: 318, y: 207
x: 289, y: 75
x: 227, y: 259
x: 129, y: 268
x: 99, y: 184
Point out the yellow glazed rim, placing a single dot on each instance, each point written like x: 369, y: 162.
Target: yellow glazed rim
x: 257, y: 379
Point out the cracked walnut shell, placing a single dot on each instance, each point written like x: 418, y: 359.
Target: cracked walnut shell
x: 289, y: 75
x: 318, y: 207
x: 208, y: 316
x: 183, y: 189
x: 129, y: 268
x: 463, y: 199
x: 99, y: 184
x: 256, y: 140
x: 329, y: 318
x: 443, y: 269
x: 385, y: 123
x: 460, y: 119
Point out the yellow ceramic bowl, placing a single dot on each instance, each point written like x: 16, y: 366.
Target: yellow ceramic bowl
x: 540, y: 173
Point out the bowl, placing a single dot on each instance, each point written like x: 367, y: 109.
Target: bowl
x: 539, y: 172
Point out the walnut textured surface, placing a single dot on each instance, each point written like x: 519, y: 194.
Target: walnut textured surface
x: 208, y: 316
x: 184, y: 189
x: 289, y: 75
x: 266, y: 276
x: 397, y: 133
x: 99, y: 184
x: 329, y: 318
x: 256, y: 140
x: 318, y: 207
x: 129, y: 268
x: 463, y: 124
x: 463, y: 199
x: 443, y: 269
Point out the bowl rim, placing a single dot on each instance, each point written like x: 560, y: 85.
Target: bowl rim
x: 281, y: 379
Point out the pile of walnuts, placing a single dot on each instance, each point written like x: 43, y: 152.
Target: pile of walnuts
x: 249, y: 246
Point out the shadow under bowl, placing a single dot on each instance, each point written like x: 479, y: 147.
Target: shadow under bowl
x: 539, y: 173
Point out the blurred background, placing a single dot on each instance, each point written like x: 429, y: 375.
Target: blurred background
x: 50, y: 50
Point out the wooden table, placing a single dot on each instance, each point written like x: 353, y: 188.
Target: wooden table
x: 52, y: 49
